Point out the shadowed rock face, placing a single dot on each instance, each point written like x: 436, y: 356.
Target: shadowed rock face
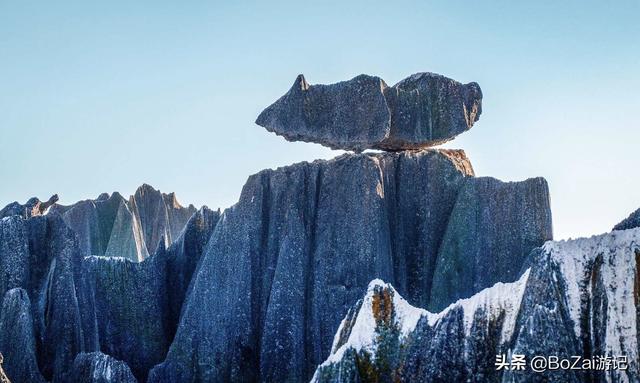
x: 81, y: 305
x: 97, y: 367
x: 490, y: 217
x: 17, y: 341
x: 115, y: 227
x: 577, y: 298
x: 40, y: 255
x: 137, y: 305
x: 420, y: 111
x: 285, y: 262
x: 632, y: 221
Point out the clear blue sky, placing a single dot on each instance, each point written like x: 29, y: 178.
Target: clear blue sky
x: 104, y: 97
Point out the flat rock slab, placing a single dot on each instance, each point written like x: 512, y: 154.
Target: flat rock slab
x: 423, y: 110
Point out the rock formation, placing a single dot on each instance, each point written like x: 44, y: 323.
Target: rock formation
x: 97, y: 367
x: 137, y: 305
x: 114, y: 227
x: 85, y: 304
x: 577, y: 298
x: 258, y: 292
x: 17, y: 341
x: 303, y: 241
x: 633, y: 220
x: 423, y: 110
x: 32, y: 208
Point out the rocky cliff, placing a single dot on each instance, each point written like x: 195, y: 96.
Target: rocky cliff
x: 578, y: 297
x: 270, y: 290
x: 287, y: 261
x: 113, y: 226
x: 58, y: 303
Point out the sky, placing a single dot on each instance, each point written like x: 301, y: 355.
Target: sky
x: 104, y: 96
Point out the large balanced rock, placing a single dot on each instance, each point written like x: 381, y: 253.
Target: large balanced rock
x: 423, y: 110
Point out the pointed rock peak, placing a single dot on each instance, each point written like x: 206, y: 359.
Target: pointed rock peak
x: 632, y: 221
x: 172, y: 201
x: 103, y: 197
x: 381, y: 309
x: 146, y: 188
x: 301, y: 83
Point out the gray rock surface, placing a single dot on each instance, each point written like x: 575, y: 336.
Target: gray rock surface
x: 83, y: 305
x: 423, y: 110
x: 577, y: 298
x: 33, y: 207
x: 137, y: 305
x: 115, y: 227
x: 632, y: 221
x: 97, y: 367
x: 40, y: 255
x: 490, y: 217
x: 17, y: 340
x: 285, y: 263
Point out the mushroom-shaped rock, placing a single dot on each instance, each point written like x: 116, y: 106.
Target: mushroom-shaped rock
x: 423, y: 110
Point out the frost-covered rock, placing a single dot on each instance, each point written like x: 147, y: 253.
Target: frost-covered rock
x: 97, y: 367
x: 423, y: 110
x: 399, y: 342
x: 578, y: 297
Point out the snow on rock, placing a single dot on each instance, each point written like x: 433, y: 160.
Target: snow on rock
x: 612, y: 257
x: 364, y: 327
x: 362, y: 331
x: 494, y: 301
x: 578, y: 297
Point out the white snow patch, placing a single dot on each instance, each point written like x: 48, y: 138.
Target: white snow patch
x: 618, y: 271
x: 363, y: 331
x: 499, y: 298
x: 99, y: 257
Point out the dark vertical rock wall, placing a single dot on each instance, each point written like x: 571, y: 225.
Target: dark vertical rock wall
x: 65, y: 304
x: 40, y: 255
x: 287, y: 260
x: 17, y: 340
x: 492, y: 229
x: 137, y: 305
x: 257, y: 293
